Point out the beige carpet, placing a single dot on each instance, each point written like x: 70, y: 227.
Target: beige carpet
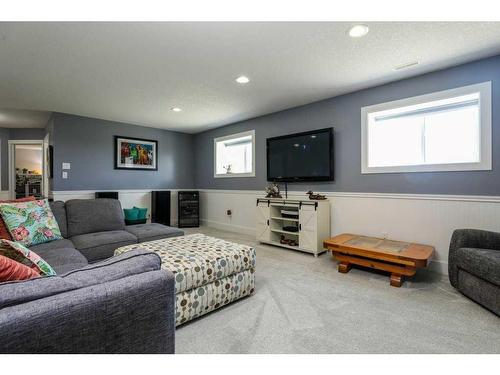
x: 303, y: 305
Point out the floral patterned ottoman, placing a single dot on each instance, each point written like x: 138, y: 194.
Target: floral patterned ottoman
x: 209, y: 272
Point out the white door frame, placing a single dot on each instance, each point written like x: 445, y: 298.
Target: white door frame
x: 45, y: 160
x: 12, y: 167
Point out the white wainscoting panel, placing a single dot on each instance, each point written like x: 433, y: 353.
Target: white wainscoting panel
x: 128, y: 199
x: 4, y: 195
x: 424, y: 218
x: 427, y: 219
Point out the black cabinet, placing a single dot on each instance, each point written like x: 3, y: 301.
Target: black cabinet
x: 160, y: 207
x: 106, y: 194
x: 188, y: 209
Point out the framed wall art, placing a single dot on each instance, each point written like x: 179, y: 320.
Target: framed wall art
x: 136, y: 153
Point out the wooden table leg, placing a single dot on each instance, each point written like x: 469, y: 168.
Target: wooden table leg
x: 344, y: 267
x: 396, y: 280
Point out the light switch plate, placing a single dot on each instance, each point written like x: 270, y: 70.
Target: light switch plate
x: 64, y: 175
x: 66, y: 166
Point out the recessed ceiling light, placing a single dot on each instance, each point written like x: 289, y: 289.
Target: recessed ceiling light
x: 357, y: 31
x: 242, y: 79
x: 175, y: 109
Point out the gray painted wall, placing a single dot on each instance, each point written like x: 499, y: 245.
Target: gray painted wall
x: 13, y: 134
x: 88, y: 144
x: 28, y: 133
x: 343, y: 113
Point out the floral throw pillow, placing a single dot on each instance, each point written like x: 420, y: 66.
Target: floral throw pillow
x: 23, y: 255
x: 30, y: 223
x: 4, y: 232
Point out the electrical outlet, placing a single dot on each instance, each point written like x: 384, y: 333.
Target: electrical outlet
x: 65, y: 175
x: 384, y: 235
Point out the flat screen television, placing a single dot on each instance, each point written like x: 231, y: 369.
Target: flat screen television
x: 306, y: 156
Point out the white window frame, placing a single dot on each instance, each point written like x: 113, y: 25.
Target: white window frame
x: 485, y: 163
x: 232, y: 136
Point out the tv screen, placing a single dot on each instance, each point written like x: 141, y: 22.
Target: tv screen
x: 304, y: 156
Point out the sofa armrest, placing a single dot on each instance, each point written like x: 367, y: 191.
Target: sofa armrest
x: 130, y: 263
x: 469, y: 238
x: 126, y: 313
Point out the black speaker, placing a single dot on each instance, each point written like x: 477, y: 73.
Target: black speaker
x: 160, y: 207
x: 106, y: 194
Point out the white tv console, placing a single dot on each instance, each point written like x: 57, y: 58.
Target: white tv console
x: 309, y: 218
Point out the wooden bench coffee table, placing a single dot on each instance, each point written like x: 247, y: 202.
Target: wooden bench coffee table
x: 398, y: 258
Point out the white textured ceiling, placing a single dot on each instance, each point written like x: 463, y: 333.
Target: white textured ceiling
x: 135, y: 72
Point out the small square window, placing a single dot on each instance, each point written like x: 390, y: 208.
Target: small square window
x: 443, y: 131
x: 234, y: 155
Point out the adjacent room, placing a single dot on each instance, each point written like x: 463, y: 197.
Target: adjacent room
x: 250, y: 187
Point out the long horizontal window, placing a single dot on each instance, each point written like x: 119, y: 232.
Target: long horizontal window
x: 444, y: 131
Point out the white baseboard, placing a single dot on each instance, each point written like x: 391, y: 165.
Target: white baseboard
x: 229, y: 227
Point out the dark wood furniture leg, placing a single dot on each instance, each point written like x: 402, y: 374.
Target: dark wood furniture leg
x: 396, y: 280
x: 344, y: 267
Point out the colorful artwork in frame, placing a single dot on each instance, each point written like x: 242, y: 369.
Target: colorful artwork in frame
x: 136, y: 153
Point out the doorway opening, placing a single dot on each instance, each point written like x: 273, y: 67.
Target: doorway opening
x: 27, y: 168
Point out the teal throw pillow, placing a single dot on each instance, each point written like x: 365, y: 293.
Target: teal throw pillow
x: 142, y: 213
x: 131, y: 213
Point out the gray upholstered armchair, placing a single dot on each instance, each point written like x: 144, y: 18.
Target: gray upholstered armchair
x: 474, y: 266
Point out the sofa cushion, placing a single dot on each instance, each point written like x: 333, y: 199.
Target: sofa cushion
x: 93, y: 215
x: 63, y: 259
x: 483, y: 263
x: 57, y: 244
x: 59, y: 210
x: 153, y: 231
x: 101, y: 245
x: 132, y: 263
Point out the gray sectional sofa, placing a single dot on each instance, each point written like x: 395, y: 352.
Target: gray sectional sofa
x: 96, y: 227
x: 97, y: 303
x: 474, y: 266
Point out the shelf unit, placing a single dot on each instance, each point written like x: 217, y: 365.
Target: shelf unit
x: 285, y: 232
x: 284, y: 218
x: 188, y: 209
x: 310, y: 218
